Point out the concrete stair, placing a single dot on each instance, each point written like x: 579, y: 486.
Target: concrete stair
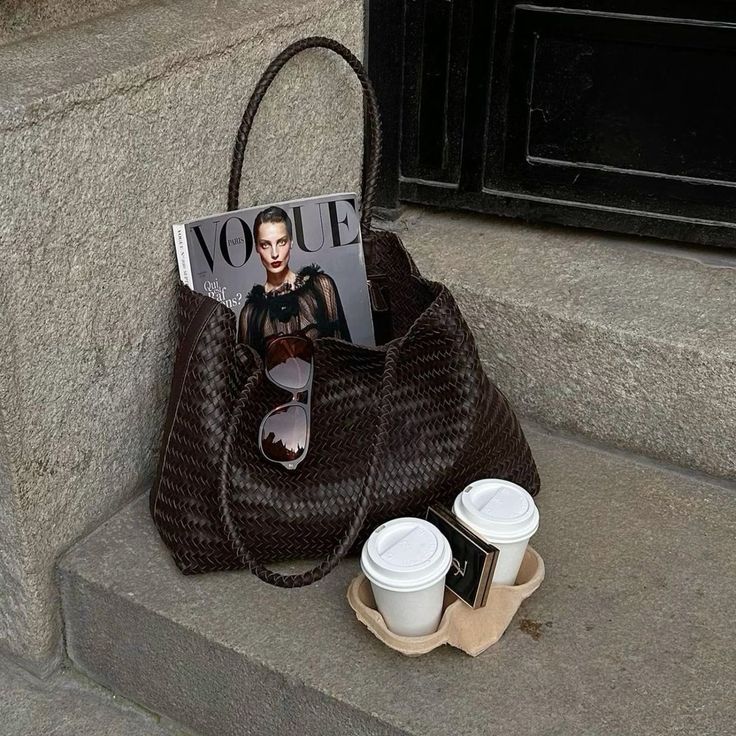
x: 629, y: 634
x: 627, y: 341
x: 68, y: 704
x: 22, y: 18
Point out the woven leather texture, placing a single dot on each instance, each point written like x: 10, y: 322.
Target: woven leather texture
x: 446, y: 425
x: 394, y: 428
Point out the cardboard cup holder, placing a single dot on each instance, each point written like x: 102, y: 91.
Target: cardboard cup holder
x: 472, y: 630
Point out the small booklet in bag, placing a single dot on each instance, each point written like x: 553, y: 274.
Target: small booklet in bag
x: 285, y: 268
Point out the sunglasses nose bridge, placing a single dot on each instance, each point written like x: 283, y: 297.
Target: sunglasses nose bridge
x: 289, y: 364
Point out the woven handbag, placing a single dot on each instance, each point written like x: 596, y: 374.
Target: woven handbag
x: 395, y: 428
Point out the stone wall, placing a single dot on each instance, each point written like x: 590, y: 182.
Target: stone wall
x: 104, y: 146
x: 21, y: 18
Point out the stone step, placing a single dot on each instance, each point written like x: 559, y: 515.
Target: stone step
x: 110, y: 131
x: 631, y: 342
x: 69, y: 704
x: 630, y: 633
x: 21, y: 18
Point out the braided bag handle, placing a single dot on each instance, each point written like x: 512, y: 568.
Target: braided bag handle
x: 364, y: 502
x: 372, y: 157
x: 371, y: 164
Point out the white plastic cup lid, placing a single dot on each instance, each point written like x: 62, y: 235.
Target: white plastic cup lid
x: 500, y: 510
x: 406, y: 555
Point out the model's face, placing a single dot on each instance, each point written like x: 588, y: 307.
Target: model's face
x: 274, y: 246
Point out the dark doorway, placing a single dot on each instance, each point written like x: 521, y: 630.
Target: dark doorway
x: 613, y: 115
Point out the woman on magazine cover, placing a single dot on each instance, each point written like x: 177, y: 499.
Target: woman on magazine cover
x: 306, y: 302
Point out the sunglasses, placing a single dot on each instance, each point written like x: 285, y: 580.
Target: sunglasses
x: 284, y: 432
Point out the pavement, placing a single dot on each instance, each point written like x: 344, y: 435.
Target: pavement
x: 68, y: 704
x: 631, y: 632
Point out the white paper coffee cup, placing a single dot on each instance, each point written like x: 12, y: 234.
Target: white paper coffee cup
x: 406, y: 561
x: 504, y: 515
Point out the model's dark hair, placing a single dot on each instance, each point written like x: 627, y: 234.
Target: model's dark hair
x: 272, y: 214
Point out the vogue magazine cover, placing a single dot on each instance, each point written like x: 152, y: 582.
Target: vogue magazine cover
x: 285, y: 268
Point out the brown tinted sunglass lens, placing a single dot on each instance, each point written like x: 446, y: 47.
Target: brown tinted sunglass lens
x: 289, y: 361
x: 284, y: 434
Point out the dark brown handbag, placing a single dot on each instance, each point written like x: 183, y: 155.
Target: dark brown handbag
x: 395, y: 428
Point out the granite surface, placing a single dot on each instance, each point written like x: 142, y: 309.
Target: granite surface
x: 629, y: 341
x: 112, y: 130
x: 630, y: 633
x: 21, y: 18
x: 68, y: 704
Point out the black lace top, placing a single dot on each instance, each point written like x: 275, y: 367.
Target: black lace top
x: 311, y: 306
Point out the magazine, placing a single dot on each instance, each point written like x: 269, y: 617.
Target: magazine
x: 283, y: 268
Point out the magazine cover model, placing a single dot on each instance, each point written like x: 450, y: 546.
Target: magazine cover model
x: 285, y: 268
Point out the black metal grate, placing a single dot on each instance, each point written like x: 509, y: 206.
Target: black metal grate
x: 614, y: 114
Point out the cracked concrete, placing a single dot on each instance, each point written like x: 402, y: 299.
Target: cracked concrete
x: 110, y: 131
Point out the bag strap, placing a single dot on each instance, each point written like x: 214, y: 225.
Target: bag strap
x: 371, y: 165
x: 372, y: 151
x: 364, y: 502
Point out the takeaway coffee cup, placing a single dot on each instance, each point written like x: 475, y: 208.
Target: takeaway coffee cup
x: 504, y: 515
x: 406, y: 561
